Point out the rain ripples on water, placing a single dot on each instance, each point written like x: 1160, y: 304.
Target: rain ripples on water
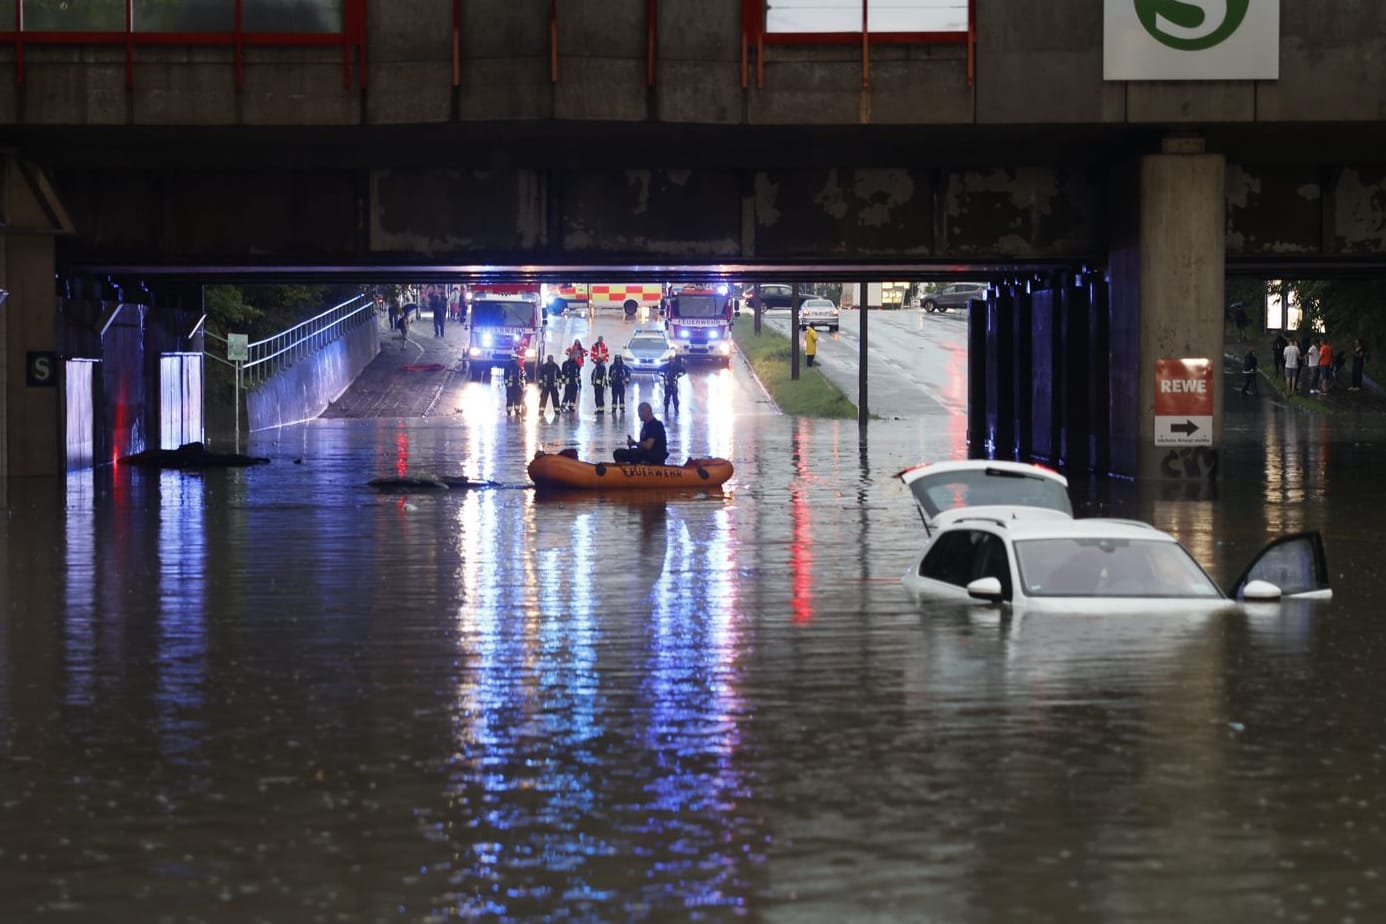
x: 273, y: 694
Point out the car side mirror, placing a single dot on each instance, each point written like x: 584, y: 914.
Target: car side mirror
x: 1260, y: 592
x: 987, y: 589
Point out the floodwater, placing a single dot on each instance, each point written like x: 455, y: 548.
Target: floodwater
x: 274, y: 694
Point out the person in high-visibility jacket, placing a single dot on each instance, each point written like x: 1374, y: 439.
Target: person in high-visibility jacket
x: 598, y: 382
x: 599, y: 351
x: 548, y: 384
x: 571, y: 374
x: 811, y: 344
x: 619, y: 377
x: 514, y: 386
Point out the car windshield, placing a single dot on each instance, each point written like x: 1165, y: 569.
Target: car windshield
x: 698, y: 306
x: 1071, y: 567
x: 982, y: 487
x: 502, y: 314
x: 648, y: 345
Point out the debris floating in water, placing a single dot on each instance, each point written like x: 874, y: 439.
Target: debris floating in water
x: 421, y: 482
x: 192, y: 455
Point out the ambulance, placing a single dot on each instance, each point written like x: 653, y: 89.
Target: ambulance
x: 623, y: 296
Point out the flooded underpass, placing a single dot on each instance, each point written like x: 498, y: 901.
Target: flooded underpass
x: 273, y: 694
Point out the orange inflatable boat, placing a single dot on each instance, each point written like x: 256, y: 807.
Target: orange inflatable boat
x: 553, y: 470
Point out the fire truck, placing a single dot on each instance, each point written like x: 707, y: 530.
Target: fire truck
x: 505, y: 321
x: 699, y: 318
x: 627, y: 297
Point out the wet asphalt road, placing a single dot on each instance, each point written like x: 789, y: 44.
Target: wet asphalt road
x: 273, y: 694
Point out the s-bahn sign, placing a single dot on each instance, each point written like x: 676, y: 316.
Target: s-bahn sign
x: 1183, y: 402
x: 1191, y: 39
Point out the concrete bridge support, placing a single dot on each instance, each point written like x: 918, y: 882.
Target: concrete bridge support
x: 29, y: 370
x: 1167, y: 275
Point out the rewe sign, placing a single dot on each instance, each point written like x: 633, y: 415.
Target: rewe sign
x: 1183, y: 402
x: 1191, y: 39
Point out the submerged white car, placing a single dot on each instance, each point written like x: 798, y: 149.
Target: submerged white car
x: 1004, y: 533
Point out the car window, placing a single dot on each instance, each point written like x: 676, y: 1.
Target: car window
x: 975, y: 488
x: 961, y: 556
x: 648, y: 343
x: 1073, y: 567
x: 949, y: 559
x: 989, y: 559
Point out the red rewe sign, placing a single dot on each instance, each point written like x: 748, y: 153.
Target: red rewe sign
x: 1183, y: 402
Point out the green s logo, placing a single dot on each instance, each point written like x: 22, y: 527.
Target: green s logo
x: 1191, y: 25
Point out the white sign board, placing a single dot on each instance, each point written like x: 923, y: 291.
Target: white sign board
x: 1191, y: 39
x: 237, y: 347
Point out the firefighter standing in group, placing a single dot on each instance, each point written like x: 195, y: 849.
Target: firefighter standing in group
x: 514, y: 386
x: 618, y: 376
x: 571, y: 374
x: 548, y: 384
x: 599, y: 381
x: 672, y: 371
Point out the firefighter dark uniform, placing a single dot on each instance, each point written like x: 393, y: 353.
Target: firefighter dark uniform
x: 618, y: 377
x: 599, y: 382
x: 548, y: 385
x: 672, y: 371
x: 514, y: 387
x: 571, y: 374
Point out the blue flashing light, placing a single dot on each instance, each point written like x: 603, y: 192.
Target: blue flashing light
x: 712, y: 334
x: 487, y: 340
x: 684, y: 333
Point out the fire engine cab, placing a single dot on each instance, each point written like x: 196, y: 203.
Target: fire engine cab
x: 699, y: 319
x: 505, y: 322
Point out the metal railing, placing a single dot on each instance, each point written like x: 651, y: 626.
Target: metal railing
x: 265, y: 358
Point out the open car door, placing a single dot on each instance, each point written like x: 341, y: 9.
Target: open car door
x: 1296, y: 564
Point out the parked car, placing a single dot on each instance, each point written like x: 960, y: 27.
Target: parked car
x: 648, y: 350
x: 773, y: 297
x: 818, y: 312
x: 954, y: 295
x: 1003, y: 534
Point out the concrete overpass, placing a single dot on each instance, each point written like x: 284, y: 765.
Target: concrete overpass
x: 418, y: 135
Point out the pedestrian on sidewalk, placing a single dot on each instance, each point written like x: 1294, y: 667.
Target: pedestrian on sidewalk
x: 1278, y: 354
x: 1325, y: 366
x: 1311, y: 362
x: 1359, y: 360
x: 811, y: 344
x: 1292, y: 367
x: 1249, y: 373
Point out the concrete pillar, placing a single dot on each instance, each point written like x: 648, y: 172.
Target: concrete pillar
x: 30, y: 422
x: 1168, y: 268
x: 32, y: 415
x: 4, y: 386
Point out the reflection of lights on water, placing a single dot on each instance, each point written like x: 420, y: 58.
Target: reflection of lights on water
x: 402, y: 452
x: 180, y: 662
x: 80, y: 557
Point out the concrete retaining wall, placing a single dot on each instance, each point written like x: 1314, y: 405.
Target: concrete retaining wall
x: 304, y: 390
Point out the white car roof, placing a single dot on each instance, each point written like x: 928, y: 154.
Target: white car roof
x: 1031, y: 526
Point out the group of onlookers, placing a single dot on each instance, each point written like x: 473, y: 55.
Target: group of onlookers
x: 1311, y: 362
